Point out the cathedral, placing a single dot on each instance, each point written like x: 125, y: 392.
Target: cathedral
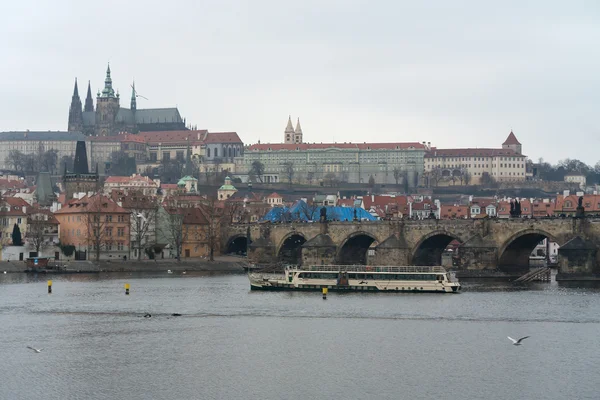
x: 109, y: 118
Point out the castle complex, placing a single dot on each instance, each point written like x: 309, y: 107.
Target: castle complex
x: 109, y: 118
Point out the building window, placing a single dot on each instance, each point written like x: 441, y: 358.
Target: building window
x: 120, y: 232
x: 108, y: 231
x: 208, y: 152
x: 109, y: 218
x: 120, y: 246
x: 216, y: 152
x: 166, y: 156
x: 153, y: 156
x: 179, y: 156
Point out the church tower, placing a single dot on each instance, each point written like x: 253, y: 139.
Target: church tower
x: 512, y: 143
x: 289, y: 131
x: 298, y: 133
x: 75, y: 113
x: 89, y: 103
x: 107, y: 107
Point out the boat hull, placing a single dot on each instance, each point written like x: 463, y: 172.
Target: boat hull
x: 357, y: 289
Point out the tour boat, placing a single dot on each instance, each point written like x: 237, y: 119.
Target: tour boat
x: 358, y: 278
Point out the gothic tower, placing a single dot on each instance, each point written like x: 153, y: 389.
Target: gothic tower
x: 75, y: 113
x: 289, y: 131
x: 107, y: 107
x: 298, y: 133
x: 89, y: 103
x: 80, y: 179
x: 512, y: 143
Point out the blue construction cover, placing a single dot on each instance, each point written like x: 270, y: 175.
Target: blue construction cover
x: 300, y: 212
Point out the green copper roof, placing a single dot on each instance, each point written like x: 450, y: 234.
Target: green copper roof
x: 227, y: 187
x: 185, y: 179
x: 108, y: 90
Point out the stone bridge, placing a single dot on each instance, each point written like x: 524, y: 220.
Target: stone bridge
x: 486, y: 244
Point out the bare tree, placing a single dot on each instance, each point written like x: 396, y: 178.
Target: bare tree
x: 258, y: 170
x: 233, y: 211
x: 466, y: 177
x: 37, y: 232
x: 308, y: 210
x: 171, y: 227
x: 144, y: 213
x: 434, y: 176
x: 98, y: 224
x: 371, y: 182
x: 288, y: 168
x: 330, y: 179
x: 214, y: 216
x: 398, y: 174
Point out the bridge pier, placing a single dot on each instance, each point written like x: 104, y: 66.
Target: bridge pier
x: 261, y: 251
x: 478, y: 253
x: 392, y: 251
x: 319, y: 250
x: 577, y: 261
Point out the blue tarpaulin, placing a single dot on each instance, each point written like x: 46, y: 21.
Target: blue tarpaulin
x: 303, y: 212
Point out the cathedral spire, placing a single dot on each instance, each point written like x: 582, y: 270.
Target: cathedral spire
x: 298, y: 127
x: 75, y: 114
x: 289, y: 128
x: 108, y: 89
x: 89, y: 103
x: 133, y: 97
x: 75, y: 90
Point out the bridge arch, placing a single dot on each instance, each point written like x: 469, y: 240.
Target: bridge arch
x: 237, y: 244
x: 515, y: 251
x: 429, y: 249
x: 354, y: 248
x: 289, y: 250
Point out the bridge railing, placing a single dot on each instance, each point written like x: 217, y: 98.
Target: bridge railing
x: 364, y: 268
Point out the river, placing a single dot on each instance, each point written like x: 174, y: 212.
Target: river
x: 230, y: 343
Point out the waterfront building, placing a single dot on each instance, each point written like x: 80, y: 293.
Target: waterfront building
x: 13, y: 211
x: 108, y: 118
x: 475, y: 166
x: 97, y: 226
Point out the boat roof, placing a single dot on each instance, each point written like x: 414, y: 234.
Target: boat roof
x: 368, y: 268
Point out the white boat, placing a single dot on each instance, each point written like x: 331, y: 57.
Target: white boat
x: 358, y: 278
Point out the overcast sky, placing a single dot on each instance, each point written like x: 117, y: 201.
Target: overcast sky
x: 457, y: 74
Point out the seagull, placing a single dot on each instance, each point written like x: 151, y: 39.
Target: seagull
x: 169, y: 271
x: 34, y: 349
x: 140, y: 215
x: 517, y: 342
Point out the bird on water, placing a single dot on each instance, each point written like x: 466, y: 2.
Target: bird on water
x: 34, y: 349
x: 517, y: 342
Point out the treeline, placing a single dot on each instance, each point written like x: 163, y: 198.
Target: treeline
x: 549, y: 172
x: 41, y: 161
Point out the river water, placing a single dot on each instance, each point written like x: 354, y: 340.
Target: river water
x: 231, y: 343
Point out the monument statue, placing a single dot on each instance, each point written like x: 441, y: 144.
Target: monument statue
x: 323, y: 217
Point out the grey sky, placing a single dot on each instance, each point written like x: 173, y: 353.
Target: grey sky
x: 458, y: 75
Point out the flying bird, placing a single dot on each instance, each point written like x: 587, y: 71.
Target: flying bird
x: 140, y: 215
x: 517, y: 342
x: 34, y: 349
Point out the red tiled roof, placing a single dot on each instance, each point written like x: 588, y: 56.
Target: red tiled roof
x: 92, y: 204
x: 511, y: 139
x: 471, y: 153
x: 12, y: 184
x: 168, y: 186
x: 453, y: 211
x: 274, y: 195
x: 194, y: 216
x: 222, y: 137
x: 345, y: 202
x: 322, y: 146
